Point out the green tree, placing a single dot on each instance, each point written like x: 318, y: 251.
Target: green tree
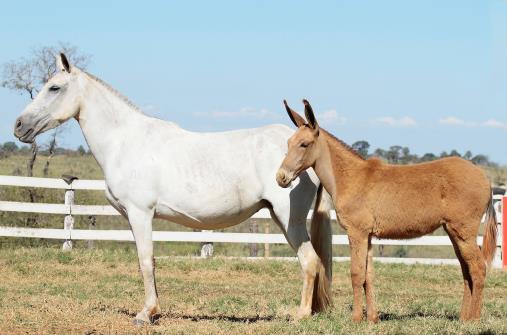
x: 81, y: 150
x: 428, y: 157
x: 454, y: 153
x: 361, y: 147
x: 10, y: 147
x: 480, y: 159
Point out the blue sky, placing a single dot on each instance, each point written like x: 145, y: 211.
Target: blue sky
x: 430, y: 75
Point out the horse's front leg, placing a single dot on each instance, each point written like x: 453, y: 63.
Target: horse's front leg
x: 141, y: 225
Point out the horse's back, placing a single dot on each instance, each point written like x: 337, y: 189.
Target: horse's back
x: 421, y: 197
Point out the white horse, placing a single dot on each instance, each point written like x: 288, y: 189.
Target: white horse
x: 154, y: 168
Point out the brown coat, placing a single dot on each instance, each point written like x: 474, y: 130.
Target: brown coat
x: 372, y: 198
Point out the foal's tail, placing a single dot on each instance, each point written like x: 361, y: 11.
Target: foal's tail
x: 490, y: 232
x: 320, y: 232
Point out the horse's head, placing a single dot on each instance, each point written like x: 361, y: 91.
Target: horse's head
x: 58, y: 101
x: 303, y: 149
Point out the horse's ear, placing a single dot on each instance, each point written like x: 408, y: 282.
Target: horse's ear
x: 295, y: 117
x: 62, y: 62
x: 310, y: 117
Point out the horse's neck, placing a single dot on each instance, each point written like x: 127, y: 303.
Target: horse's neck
x: 106, y: 121
x: 337, y: 166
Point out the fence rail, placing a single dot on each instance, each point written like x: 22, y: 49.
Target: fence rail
x: 69, y: 208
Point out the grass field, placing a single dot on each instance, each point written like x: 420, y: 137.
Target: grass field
x: 45, y: 291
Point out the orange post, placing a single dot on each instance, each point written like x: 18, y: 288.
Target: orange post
x: 504, y: 232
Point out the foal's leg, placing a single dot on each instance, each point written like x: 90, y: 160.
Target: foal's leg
x: 371, y: 306
x: 358, y: 243
x: 474, y: 260
x: 467, y: 285
x: 141, y: 225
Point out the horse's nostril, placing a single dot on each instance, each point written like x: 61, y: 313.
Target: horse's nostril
x: 18, y: 124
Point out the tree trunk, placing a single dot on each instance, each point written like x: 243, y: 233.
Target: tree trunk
x: 32, y: 219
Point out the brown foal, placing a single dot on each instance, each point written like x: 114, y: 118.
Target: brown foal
x: 372, y: 198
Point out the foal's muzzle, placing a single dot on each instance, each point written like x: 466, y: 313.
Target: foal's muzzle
x: 283, y: 178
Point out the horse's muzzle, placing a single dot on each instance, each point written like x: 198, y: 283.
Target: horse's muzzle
x: 24, y: 132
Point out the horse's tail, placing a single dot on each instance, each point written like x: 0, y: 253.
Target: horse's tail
x: 490, y: 232
x: 321, y: 241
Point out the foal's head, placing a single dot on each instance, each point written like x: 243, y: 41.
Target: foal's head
x: 303, y: 149
x: 58, y: 101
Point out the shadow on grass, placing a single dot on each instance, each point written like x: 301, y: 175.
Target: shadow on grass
x: 398, y: 317
x: 198, y: 318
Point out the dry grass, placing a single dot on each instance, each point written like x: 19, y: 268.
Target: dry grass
x: 44, y: 291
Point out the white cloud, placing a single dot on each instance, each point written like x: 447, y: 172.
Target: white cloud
x: 245, y: 112
x: 331, y: 117
x: 452, y: 121
x: 492, y: 123
x: 405, y: 121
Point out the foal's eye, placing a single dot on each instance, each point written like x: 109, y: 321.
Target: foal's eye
x: 54, y: 88
x: 304, y: 145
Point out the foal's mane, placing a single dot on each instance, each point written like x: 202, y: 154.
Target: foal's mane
x: 114, y: 91
x: 337, y: 142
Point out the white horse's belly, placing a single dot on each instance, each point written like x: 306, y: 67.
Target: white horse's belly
x: 215, y: 219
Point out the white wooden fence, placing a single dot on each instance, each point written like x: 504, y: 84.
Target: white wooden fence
x: 70, y: 209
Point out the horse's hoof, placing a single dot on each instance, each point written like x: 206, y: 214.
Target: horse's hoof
x: 140, y: 323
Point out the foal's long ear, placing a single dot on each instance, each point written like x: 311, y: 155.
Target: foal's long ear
x: 310, y: 117
x: 62, y: 63
x: 295, y: 117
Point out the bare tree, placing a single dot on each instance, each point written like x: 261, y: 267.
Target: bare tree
x: 28, y: 75
x: 51, y: 148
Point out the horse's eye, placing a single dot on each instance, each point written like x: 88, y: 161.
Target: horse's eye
x: 54, y: 88
x: 304, y: 145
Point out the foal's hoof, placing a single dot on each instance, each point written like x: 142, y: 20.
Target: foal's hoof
x: 373, y: 319
x: 140, y: 323
x: 302, y: 314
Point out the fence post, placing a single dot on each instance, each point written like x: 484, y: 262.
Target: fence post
x: 206, y: 248
x: 266, y: 245
x: 68, y: 221
x: 504, y: 233
x: 254, y: 229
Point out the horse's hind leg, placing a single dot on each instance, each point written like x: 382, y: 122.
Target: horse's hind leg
x: 467, y: 280
x: 474, y: 261
x: 371, y: 305
x: 472, y: 255
x: 141, y: 225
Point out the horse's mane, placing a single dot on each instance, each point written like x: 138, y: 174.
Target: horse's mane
x: 338, y: 142
x: 114, y: 91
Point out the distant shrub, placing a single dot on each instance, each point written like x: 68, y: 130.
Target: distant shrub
x: 10, y: 147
